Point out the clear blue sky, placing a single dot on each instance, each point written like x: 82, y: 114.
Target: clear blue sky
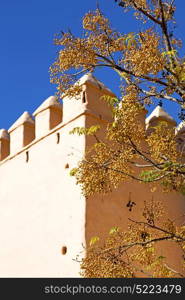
x: 27, y: 49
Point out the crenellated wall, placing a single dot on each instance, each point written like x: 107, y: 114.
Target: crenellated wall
x: 44, y: 219
x: 42, y: 210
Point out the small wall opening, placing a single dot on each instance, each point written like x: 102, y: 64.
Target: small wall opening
x: 67, y: 166
x: 83, y: 97
x: 64, y: 250
x: 27, y: 156
x: 58, y: 137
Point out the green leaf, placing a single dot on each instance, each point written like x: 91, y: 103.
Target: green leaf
x: 94, y: 240
x: 114, y: 124
x: 112, y: 101
x: 124, y: 75
x: 114, y: 230
x: 182, y: 189
x: 93, y: 129
x: 131, y: 39
x: 78, y: 130
x: 161, y: 257
x: 85, y: 131
x: 73, y: 171
x: 172, y: 52
x: 149, y: 176
x: 150, y: 250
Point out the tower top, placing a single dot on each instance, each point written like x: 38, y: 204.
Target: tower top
x: 91, y: 79
x: 180, y: 128
x: 161, y: 114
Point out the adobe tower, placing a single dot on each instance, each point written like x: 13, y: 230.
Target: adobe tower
x: 45, y: 221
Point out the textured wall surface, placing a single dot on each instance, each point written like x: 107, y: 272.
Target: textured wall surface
x: 42, y: 210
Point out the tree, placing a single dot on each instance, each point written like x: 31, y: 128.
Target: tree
x: 150, y: 67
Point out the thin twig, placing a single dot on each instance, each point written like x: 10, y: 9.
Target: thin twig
x: 172, y: 235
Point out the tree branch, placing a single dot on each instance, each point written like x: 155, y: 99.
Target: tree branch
x: 163, y: 96
x: 143, y: 243
x: 172, y: 235
x: 143, y: 156
x: 144, y: 12
x: 172, y: 270
x: 121, y: 69
x: 164, y: 27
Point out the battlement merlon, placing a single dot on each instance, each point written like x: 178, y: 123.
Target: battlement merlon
x: 48, y: 115
x: 158, y: 115
x: 51, y: 114
x: 90, y: 99
x: 4, y: 144
x: 22, y: 132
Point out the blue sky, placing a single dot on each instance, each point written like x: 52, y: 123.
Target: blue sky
x: 27, y: 49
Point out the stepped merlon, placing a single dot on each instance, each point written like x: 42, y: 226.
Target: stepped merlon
x: 48, y: 103
x: 159, y: 114
x: 89, y: 100
x: 24, y: 118
x: 4, y: 144
x: 4, y: 134
x: 89, y: 78
x: 47, y: 116
x: 22, y: 132
x: 180, y: 128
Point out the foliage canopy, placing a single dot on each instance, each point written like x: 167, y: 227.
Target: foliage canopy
x: 150, y: 67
